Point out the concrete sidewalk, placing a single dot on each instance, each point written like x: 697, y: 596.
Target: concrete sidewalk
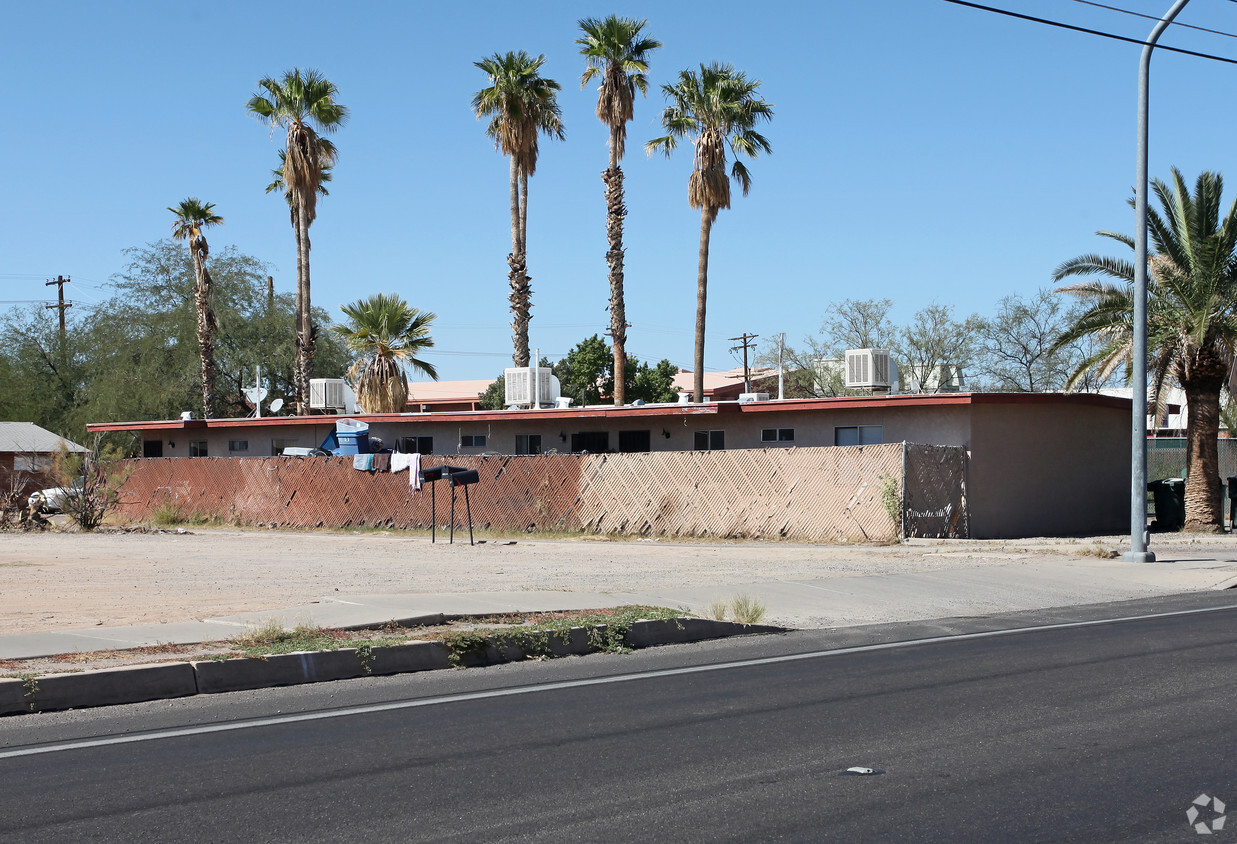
x: 837, y: 601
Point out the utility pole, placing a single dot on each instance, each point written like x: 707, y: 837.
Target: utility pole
x: 781, y: 349
x: 745, y: 345
x: 60, y: 282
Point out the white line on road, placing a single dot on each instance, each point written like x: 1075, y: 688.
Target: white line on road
x: 180, y: 732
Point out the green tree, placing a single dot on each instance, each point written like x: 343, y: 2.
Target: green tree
x: 614, y: 49
x: 716, y: 108
x: 1191, y: 318
x: 1016, y: 345
x: 192, y: 218
x: 304, y: 103
x: 521, y: 105
x: 934, y: 349
x: 582, y: 374
x: 386, y: 334
x: 652, y: 384
x: 135, y: 356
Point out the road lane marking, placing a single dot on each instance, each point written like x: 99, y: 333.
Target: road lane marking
x: 369, y: 709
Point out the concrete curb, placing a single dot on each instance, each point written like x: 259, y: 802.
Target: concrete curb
x: 110, y: 686
x: 137, y: 683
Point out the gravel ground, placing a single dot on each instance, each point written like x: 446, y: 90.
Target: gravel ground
x: 58, y: 580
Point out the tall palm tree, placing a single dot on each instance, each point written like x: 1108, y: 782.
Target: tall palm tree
x: 614, y: 49
x: 192, y: 217
x: 387, y: 334
x: 521, y: 105
x: 716, y: 108
x: 304, y: 103
x: 279, y: 184
x: 1191, y: 319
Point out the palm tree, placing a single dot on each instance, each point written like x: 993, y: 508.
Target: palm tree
x: 717, y: 107
x: 192, y: 217
x: 1191, y: 319
x: 387, y: 334
x: 614, y: 49
x: 303, y: 102
x: 279, y: 184
x: 521, y: 105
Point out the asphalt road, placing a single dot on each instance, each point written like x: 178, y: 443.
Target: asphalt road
x: 1100, y: 732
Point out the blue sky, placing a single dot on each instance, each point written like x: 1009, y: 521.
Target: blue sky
x: 922, y: 152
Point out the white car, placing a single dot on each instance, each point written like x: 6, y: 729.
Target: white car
x: 53, y: 500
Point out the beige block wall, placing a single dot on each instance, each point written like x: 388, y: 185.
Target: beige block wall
x: 1048, y: 470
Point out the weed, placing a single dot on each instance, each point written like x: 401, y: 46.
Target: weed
x: 747, y: 610
x: 165, y: 515
x: 365, y: 655
x: 1098, y: 551
x: 30, y: 683
x: 891, y: 500
x: 718, y: 609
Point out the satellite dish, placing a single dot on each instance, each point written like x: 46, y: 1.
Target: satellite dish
x: 276, y: 406
x: 255, y: 394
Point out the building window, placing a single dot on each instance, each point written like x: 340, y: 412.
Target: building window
x: 710, y: 440
x: 238, y: 445
x: 528, y: 443
x: 32, y: 463
x: 858, y: 435
x: 633, y: 441
x: 416, y: 445
x: 594, y: 442
x: 278, y: 445
x: 197, y: 448
x: 777, y: 435
x: 472, y: 441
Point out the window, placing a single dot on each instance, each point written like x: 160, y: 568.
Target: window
x: 472, y: 441
x: 777, y: 435
x: 858, y: 435
x: 594, y: 442
x: 528, y: 443
x: 278, y: 445
x: 32, y: 463
x: 238, y: 445
x: 152, y: 448
x: 633, y: 441
x: 416, y: 445
x: 197, y: 448
x: 710, y: 440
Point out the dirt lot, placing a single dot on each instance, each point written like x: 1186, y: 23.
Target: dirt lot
x: 57, y: 581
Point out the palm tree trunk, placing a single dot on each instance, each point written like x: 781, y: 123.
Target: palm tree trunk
x: 517, y: 273
x: 1203, y: 509
x: 616, y: 211
x: 206, y: 324
x: 304, y: 326
x: 707, y: 215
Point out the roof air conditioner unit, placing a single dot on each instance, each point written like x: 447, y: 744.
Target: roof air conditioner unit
x: 746, y: 397
x: 328, y: 394
x: 521, y: 389
x: 867, y: 369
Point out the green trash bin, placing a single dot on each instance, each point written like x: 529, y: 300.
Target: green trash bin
x: 1169, y: 497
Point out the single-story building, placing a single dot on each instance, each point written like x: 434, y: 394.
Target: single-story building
x: 1039, y: 463
x: 28, y: 456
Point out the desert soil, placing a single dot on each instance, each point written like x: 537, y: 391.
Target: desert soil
x: 55, y: 581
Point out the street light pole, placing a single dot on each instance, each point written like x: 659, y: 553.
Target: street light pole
x: 1138, y: 552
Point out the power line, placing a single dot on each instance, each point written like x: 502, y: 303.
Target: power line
x: 1154, y: 18
x: 1086, y: 31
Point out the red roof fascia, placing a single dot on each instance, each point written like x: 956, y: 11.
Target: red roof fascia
x: 638, y: 411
